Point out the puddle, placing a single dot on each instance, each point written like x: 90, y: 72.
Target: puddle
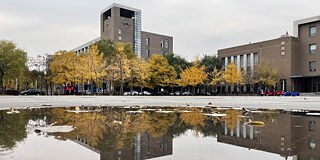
x: 120, y: 133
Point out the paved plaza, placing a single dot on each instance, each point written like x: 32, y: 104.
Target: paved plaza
x: 312, y: 102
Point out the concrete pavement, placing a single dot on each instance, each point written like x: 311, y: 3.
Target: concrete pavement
x: 308, y: 102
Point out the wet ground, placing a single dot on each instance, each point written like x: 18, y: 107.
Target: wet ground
x: 186, y: 133
x: 301, y: 102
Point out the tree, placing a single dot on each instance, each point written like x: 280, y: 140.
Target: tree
x: 178, y: 62
x: 216, y: 79
x: 250, y: 78
x: 12, y: 62
x: 232, y: 76
x: 210, y: 63
x: 139, y: 73
x: 161, y: 73
x: 107, y: 47
x: 193, y: 76
x: 64, y: 67
x: 266, y: 75
x: 95, y: 68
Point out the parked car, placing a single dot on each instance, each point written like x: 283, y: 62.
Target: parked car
x: 132, y: 93
x: 186, y: 93
x: 145, y: 93
x: 30, y: 92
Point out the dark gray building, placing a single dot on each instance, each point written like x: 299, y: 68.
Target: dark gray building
x: 123, y: 24
x: 296, y: 57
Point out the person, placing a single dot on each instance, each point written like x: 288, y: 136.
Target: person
x: 259, y: 92
x: 72, y: 90
x: 76, y: 89
x: 67, y: 90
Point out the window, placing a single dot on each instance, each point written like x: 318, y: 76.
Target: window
x: 229, y: 60
x: 119, y: 38
x: 311, y: 158
x: 248, y: 60
x: 223, y: 63
x: 312, y: 31
x: 312, y: 48
x: 312, y: 66
x: 241, y: 61
x: 119, y: 31
x: 166, y: 44
x: 148, y: 53
x: 312, y: 126
x: 255, y: 58
x: 147, y: 41
x: 312, y: 143
x: 235, y: 60
x: 283, y: 48
x: 161, y: 44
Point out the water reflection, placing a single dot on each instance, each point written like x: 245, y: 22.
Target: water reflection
x: 144, y: 133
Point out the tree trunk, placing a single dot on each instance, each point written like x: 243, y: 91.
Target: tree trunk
x: 193, y: 90
x: 1, y: 85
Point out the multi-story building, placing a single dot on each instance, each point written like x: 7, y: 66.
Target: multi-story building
x: 120, y: 23
x: 295, y: 57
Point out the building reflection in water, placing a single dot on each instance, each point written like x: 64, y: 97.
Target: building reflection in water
x: 144, y: 147
x: 289, y: 134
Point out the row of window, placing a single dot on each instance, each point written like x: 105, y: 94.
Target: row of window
x: 163, y: 44
x: 248, y: 63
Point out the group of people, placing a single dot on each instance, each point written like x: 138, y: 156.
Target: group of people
x: 266, y: 92
x: 71, y: 90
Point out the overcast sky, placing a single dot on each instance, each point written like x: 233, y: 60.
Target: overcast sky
x: 198, y: 27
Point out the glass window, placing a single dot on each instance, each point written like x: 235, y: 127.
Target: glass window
x: 229, y: 60
x: 312, y: 48
x: 161, y: 44
x: 312, y: 143
x: 235, y: 60
x: 248, y: 60
x: 312, y: 31
x: 148, y: 41
x: 255, y: 58
x: 312, y: 66
x: 223, y: 62
x: 241, y: 61
x: 311, y: 158
x: 166, y: 44
x: 148, y: 53
x: 312, y: 126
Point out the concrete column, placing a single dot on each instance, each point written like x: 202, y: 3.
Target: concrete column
x: 225, y: 129
x: 245, y: 62
x: 238, y: 128
x: 251, y: 61
x: 238, y: 63
x: 251, y: 132
x: 244, y: 135
x: 245, y: 68
x: 225, y: 62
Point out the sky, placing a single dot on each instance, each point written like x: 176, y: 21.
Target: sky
x: 198, y: 27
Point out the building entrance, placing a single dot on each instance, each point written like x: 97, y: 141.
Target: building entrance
x: 315, y: 85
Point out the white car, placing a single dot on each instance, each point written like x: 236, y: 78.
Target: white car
x: 145, y: 93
